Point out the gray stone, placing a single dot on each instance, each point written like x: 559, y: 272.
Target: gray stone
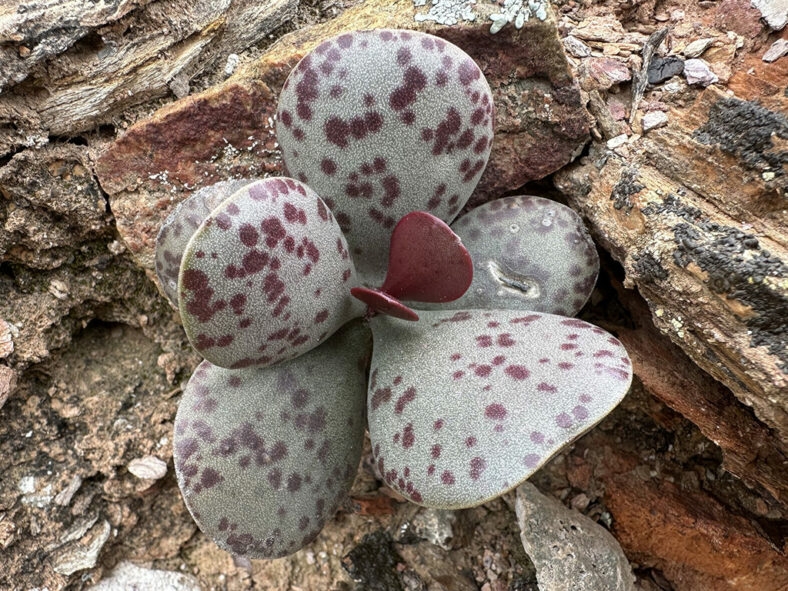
x: 697, y: 47
x: 778, y: 49
x: 775, y: 12
x: 570, y: 551
x: 149, y: 467
x: 436, y: 526
x: 576, y: 47
x: 130, y: 577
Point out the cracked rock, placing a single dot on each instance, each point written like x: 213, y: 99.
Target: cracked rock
x: 569, y: 550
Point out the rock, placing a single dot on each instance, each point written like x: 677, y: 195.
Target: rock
x: 6, y: 339
x: 567, y: 548
x: 775, y: 12
x: 739, y: 16
x: 697, y: 71
x: 778, y: 49
x: 373, y: 563
x: 697, y: 47
x: 127, y: 576
x: 435, y: 526
x: 8, y: 380
x: 606, y: 71
x: 63, y: 498
x: 227, y: 131
x: 125, y: 57
x: 720, y: 299
x: 149, y: 467
x: 691, y: 538
x: 617, y: 141
x: 576, y: 47
x: 660, y: 69
x: 84, y: 554
x: 653, y: 120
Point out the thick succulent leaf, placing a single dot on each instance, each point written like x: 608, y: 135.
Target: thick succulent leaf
x: 382, y: 123
x: 179, y: 227
x: 264, y: 456
x: 528, y: 253
x: 427, y: 261
x: 463, y: 406
x: 266, y: 277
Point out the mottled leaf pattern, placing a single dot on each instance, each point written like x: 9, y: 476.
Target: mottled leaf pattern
x: 528, y: 253
x: 264, y: 456
x: 179, y: 227
x: 464, y: 405
x: 382, y: 123
x: 267, y: 276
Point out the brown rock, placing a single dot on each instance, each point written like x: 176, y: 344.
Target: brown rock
x: 673, y: 213
x: 691, y: 538
x: 751, y: 450
x: 227, y: 131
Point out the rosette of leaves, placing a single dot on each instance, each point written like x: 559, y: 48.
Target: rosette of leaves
x: 341, y: 299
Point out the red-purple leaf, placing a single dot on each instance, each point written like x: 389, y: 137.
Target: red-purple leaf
x: 427, y: 261
x: 384, y: 303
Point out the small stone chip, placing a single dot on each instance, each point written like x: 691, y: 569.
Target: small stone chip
x: 778, y: 49
x: 697, y: 71
x: 617, y: 141
x: 149, y: 467
x: 653, y: 120
x: 6, y: 339
x: 697, y: 47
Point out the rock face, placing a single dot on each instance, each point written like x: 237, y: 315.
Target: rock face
x: 567, y: 548
x: 118, y: 54
x: 227, y: 131
x: 710, y: 257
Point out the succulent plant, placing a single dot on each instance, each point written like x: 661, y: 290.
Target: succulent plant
x: 284, y: 285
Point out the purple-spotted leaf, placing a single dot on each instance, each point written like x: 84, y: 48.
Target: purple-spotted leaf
x: 264, y: 456
x: 528, y: 253
x: 266, y: 277
x: 179, y: 227
x: 464, y: 405
x: 382, y: 123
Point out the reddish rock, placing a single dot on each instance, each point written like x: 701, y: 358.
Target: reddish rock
x: 691, y: 538
x: 739, y: 16
x: 227, y: 131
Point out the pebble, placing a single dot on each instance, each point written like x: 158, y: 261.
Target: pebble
x: 778, y: 49
x: 697, y: 47
x: 617, y: 141
x: 126, y: 576
x: 697, y: 71
x: 660, y: 69
x: 149, y: 467
x: 653, y: 120
x: 576, y: 47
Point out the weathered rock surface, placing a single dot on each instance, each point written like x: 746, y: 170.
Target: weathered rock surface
x: 227, y: 131
x: 570, y: 551
x: 710, y: 257
x: 127, y: 575
x: 112, y: 56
